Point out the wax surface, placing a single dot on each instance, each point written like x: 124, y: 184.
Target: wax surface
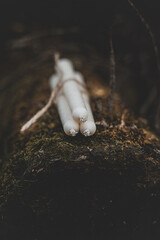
x: 71, y: 91
x: 87, y: 128
x: 70, y: 126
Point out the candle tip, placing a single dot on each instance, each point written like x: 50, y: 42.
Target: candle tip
x: 82, y: 119
x: 86, y: 133
x: 73, y: 132
x: 80, y: 114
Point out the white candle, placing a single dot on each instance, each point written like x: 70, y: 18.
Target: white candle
x: 87, y: 128
x: 70, y: 126
x: 71, y: 91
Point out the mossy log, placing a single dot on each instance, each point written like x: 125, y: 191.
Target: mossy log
x: 54, y: 186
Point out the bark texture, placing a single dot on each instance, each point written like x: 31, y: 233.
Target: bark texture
x: 54, y: 186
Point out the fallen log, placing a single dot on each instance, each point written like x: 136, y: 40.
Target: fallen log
x: 57, y: 186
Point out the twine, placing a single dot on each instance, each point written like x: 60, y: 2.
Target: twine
x: 53, y: 96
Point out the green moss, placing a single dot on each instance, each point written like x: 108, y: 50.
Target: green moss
x: 109, y: 148
x: 43, y: 153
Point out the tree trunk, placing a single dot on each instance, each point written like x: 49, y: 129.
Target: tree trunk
x: 55, y: 186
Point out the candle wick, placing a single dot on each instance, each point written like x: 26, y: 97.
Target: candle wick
x: 56, y: 58
x: 82, y: 119
x: 86, y: 133
x: 73, y: 132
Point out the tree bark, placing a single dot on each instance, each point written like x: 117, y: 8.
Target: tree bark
x: 55, y: 186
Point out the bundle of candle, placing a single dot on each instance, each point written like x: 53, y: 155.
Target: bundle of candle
x: 70, y: 94
x: 72, y: 100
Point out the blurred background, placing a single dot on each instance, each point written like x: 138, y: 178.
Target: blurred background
x: 91, y: 14
x: 136, y: 69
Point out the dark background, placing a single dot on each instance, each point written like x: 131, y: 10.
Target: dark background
x: 90, y: 14
x: 95, y: 18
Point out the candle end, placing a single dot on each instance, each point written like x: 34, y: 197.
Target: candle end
x: 73, y: 132
x: 80, y: 115
x: 88, y: 128
x: 82, y: 119
x: 22, y: 129
x: 87, y: 133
